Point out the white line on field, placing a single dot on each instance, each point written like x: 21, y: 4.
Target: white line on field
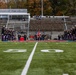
x: 25, y: 70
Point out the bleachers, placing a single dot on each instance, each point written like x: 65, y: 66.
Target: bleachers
x: 47, y: 24
x: 73, y: 19
x: 16, y: 25
x: 52, y: 24
x: 69, y: 23
x: 2, y: 23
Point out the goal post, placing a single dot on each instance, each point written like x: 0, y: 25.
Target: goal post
x: 17, y: 19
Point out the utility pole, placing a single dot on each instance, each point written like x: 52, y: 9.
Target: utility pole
x: 42, y: 8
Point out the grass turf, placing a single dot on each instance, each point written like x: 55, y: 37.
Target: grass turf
x: 13, y: 63
x: 53, y: 63
x: 50, y: 63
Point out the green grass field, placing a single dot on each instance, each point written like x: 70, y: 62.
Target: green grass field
x: 43, y: 63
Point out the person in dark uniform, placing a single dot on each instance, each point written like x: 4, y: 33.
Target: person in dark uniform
x: 3, y: 29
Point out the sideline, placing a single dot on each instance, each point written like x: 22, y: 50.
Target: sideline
x: 27, y: 65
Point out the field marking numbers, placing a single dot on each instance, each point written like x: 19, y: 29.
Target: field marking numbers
x: 65, y: 74
x: 15, y: 50
x: 49, y: 50
x: 62, y: 43
x: 45, y: 50
x: 27, y: 65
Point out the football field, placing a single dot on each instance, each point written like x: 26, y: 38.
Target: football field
x: 37, y: 58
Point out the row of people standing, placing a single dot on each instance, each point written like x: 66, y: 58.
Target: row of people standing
x: 7, y: 34
x: 68, y: 34
x: 40, y: 37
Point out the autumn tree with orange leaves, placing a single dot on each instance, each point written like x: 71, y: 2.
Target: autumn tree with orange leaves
x: 3, y: 5
x: 34, y: 7
x: 51, y: 7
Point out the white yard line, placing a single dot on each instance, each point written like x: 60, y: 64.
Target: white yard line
x: 25, y: 70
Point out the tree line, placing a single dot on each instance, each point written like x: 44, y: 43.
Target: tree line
x: 50, y: 7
